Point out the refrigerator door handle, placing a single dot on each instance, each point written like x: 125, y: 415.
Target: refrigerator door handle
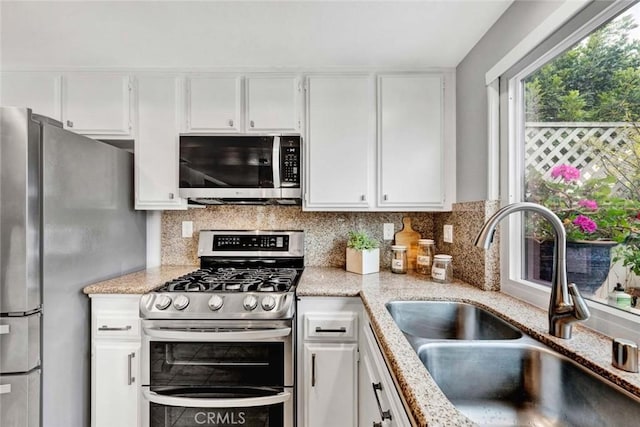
x: 5, y: 329
x: 5, y: 388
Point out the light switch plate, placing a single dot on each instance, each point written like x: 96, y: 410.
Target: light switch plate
x: 447, y: 234
x: 388, y: 230
x: 187, y: 228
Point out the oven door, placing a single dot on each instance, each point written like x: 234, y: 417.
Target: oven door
x: 217, y: 373
x: 234, y: 406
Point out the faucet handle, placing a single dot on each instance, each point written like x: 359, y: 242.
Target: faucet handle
x: 580, y: 308
x: 625, y: 355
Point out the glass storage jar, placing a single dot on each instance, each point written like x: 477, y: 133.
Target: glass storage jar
x: 399, y: 259
x: 442, y: 270
x: 424, y: 258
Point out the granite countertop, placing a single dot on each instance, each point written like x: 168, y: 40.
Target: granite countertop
x: 426, y: 403
x: 139, y: 282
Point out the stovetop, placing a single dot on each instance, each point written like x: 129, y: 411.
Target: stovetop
x: 243, y: 275
x: 231, y: 279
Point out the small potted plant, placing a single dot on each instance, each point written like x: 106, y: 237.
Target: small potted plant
x: 363, y: 254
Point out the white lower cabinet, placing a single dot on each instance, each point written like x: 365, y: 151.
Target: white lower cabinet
x: 116, y: 374
x: 330, y: 385
x: 115, y: 360
x: 328, y: 361
x: 343, y: 379
x: 379, y: 402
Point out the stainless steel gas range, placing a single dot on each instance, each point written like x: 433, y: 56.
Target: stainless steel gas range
x: 218, y: 343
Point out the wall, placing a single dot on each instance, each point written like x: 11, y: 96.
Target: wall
x: 471, y: 97
x: 478, y: 267
x: 325, y: 232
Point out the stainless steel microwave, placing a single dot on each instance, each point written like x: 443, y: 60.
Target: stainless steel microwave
x: 240, y: 168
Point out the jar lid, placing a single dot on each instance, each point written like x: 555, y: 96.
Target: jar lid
x: 398, y: 247
x: 443, y: 257
x: 426, y: 241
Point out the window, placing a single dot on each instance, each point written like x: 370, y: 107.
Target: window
x: 574, y: 146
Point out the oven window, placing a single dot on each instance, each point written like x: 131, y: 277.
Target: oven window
x: 216, y: 364
x: 178, y: 416
x: 226, y: 162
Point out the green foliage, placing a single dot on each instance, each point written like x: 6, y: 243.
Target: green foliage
x: 629, y: 254
x: 361, y: 241
x: 596, y: 80
x: 612, y: 217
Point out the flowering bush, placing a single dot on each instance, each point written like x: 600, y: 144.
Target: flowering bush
x: 588, y: 210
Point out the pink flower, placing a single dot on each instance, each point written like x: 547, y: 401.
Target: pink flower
x: 589, y: 204
x: 585, y: 224
x: 567, y: 172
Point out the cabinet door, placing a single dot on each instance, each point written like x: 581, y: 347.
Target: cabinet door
x: 273, y: 104
x: 38, y: 91
x: 115, y: 383
x: 411, y: 154
x: 340, y: 144
x: 97, y: 103
x: 368, y: 411
x: 330, y: 385
x: 156, y: 148
x: 213, y: 104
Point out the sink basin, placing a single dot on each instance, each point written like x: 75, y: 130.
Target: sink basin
x: 500, y: 384
x: 444, y: 320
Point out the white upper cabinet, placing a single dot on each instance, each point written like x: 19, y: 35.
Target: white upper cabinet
x: 97, y: 103
x: 273, y: 104
x: 213, y: 104
x: 156, y: 146
x: 412, y: 163
x: 36, y: 90
x: 339, y: 152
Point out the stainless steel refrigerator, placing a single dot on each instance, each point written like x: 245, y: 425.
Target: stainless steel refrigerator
x: 66, y: 220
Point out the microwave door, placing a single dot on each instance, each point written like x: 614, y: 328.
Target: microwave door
x: 228, y: 166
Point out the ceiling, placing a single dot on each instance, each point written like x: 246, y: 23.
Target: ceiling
x: 238, y: 34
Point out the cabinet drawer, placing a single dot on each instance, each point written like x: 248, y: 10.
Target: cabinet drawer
x: 331, y: 326
x: 116, y: 326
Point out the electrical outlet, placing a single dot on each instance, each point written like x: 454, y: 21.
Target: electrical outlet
x: 187, y: 228
x: 447, y: 234
x: 388, y: 230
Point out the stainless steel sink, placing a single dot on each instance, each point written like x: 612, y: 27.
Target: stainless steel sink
x: 444, y: 320
x: 525, y: 383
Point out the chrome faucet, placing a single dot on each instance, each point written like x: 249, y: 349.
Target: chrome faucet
x: 563, y: 311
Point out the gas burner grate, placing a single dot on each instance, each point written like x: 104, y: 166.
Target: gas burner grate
x: 229, y: 279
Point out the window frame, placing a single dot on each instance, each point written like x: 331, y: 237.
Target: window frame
x: 506, y: 111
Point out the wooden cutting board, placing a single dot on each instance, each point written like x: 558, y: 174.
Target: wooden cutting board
x: 409, y: 238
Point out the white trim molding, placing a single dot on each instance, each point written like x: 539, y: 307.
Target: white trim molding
x: 554, y: 21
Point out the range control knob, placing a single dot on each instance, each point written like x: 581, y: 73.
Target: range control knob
x: 215, y: 302
x: 181, y: 302
x: 163, y: 302
x: 268, y: 303
x: 250, y: 302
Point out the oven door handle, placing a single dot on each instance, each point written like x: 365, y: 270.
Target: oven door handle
x: 244, y: 335
x: 199, y: 402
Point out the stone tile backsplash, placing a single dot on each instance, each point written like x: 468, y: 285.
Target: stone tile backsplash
x: 326, y: 234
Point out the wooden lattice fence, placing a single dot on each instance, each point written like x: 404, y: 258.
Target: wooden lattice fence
x: 554, y: 143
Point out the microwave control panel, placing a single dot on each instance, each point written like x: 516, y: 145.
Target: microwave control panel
x: 290, y: 161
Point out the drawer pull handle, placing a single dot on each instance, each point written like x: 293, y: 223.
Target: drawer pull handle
x: 131, y: 379
x: 109, y: 328
x: 313, y: 369
x: 385, y: 415
x: 340, y: 330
